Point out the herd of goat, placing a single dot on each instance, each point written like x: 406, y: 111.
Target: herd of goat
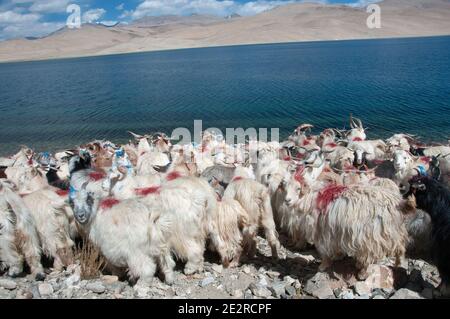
x: 149, y: 201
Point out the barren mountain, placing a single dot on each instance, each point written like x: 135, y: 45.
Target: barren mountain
x: 287, y: 23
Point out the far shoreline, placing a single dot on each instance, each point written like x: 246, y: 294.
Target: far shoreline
x: 2, y: 62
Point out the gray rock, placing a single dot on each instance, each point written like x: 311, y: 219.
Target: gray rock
x: 337, y: 292
x: 207, y: 281
x: 141, y: 291
x: 96, y: 287
x: 248, y: 294
x: 67, y: 293
x: 273, y: 274
x: 378, y: 297
x: 24, y: 294
x: 289, y: 280
x: 323, y: 293
x: 363, y: 296
x: 35, y: 292
x: 8, y: 284
x: 290, y: 290
x: 45, y: 289
x: 406, y: 294
x: 277, y: 289
x: 348, y: 294
x: 388, y: 292
x: 5, y: 293
x: 109, y: 280
x: 319, y: 286
x: 238, y: 294
x: 361, y: 288
x: 217, y: 268
x: 262, y: 280
x: 260, y: 291
x: 246, y: 269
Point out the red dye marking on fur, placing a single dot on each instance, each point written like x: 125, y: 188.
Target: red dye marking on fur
x: 332, y: 145
x: 62, y: 192
x: 425, y: 159
x: 107, y: 203
x: 96, y: 176
x: 327, y: 170
x: 147, y: 190
x: 173, y: 175
x: 328, y: 194
x: 30, y: 161
x: 237, y: 178
x: 357, y: 139
x: 298, y: 176
x: 306, y: 142
x: 378, y: 162
x: 287, y: 158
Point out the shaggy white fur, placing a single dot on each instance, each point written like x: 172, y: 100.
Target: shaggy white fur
x: 364, y: 222
x: 255, y: 199
x: 18, y: 236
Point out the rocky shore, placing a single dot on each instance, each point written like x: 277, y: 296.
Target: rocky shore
x: 294, y: 277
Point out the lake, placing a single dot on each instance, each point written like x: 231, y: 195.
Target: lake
x: 393, y: 85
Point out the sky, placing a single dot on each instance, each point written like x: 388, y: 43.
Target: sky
x: 33, y: 18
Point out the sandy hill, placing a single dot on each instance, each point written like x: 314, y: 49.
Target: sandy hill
x: 287, y: 23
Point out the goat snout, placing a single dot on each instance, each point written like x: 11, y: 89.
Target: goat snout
x: 81, y: 217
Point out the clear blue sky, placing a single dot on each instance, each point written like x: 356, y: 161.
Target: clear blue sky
x: 21, y: 18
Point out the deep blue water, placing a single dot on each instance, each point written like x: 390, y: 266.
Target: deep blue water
x: 395, y: 85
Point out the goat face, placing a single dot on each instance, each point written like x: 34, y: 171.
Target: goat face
x: 401, y: 160
x: 346, y: 160
x: 79, y: 162
x: 425, y: 191
x: 293, y: 191
x: 82, y: 203
x: 360, y: 157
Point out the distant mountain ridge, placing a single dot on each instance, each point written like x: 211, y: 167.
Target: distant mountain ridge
x: 286, y: 23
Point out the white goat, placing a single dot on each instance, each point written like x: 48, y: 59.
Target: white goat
x: 361, y: 221
x: 255, y: 199
x: 18, y: 236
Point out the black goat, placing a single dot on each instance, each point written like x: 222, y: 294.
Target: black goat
x: 54, y: 180
x: 434, y: 198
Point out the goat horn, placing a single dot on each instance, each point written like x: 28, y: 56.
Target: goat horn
x: 359, y: 123
x: 317, y: 165
x: 352, y: 121
x: 136, y: 136
x: 304, y: 127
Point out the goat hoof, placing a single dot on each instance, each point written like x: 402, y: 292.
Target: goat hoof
x: 362, y: 275
x: 169, y: 279
x: 40, y: 276
x: 14, y: 272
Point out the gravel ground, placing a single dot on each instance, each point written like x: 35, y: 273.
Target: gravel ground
x: 293, y: 277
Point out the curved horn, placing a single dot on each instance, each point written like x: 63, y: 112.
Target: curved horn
x: 359, y: 123
x: 316, y: 165
x: 136, y: 136
x: 352, y: 121
x: 304, y: 127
